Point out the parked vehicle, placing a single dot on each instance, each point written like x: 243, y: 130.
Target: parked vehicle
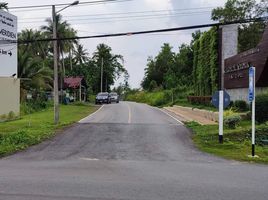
x: 114, y: 97
x: 103, y: 97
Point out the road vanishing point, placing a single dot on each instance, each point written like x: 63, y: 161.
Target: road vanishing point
x: 127, y: 151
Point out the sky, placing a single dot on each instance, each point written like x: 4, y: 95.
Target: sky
x: 125, y: 16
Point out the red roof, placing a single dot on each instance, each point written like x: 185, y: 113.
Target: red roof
x: 72, y: 82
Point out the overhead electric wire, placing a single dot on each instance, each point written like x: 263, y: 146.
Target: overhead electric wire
x: 66, y: 4
x: 130, y: 13
x: 127, y: 18
x: 143, y: 32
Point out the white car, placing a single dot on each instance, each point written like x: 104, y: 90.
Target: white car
x: 114, y: 97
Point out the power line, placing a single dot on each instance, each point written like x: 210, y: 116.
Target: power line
x: 65, y: 4
x: 121, y: 18
x: 130, y: 13
x: 143, y: 32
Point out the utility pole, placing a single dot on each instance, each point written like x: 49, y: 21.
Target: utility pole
x: 101, y: 73
x: 55, y: 57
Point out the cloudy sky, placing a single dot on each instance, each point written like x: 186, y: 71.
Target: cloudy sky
x: 125, y: 16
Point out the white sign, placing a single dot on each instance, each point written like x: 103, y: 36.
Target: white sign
x: 8, y: 45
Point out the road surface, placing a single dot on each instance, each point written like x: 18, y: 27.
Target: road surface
x: 127, y: 151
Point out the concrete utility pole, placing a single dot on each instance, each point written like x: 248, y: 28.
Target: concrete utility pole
x: 101, y: 73
x: 55, y: 57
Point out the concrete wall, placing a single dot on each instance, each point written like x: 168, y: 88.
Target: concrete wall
x: 242, y: 93
x: 229, y: 44
x: 9, y: 95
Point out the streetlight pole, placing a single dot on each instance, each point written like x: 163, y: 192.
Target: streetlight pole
x: 55, y: 57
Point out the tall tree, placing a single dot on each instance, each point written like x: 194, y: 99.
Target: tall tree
x: 112, y: 65
x: 249, y: 33
x: 80, y: 55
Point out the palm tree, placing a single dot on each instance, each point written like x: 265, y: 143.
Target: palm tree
x: 112, y: 67
x: 63, y: 30
x: 80, y: 55
x: 36, y: 48
x: 3, y: 6
x: 34, y: 74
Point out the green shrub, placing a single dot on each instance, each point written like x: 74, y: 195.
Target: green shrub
x: 232, y: 121
x: 262, y: 108
x: 11, y: 115
x: 241, y: 105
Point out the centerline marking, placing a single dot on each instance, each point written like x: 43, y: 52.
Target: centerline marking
x: 129, y: 114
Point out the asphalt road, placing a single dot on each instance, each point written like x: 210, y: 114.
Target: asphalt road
x: 127, y: 151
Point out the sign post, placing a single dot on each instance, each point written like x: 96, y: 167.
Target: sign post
x: 221, y: 117
x: 251, y: 97
x: 221, y: 100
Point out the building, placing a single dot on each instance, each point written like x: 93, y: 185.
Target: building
x: 236, y: 70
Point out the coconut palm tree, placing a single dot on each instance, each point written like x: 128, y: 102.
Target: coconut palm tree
x: 37, y: 48
x: 80, y: 55
x: 112, y: 65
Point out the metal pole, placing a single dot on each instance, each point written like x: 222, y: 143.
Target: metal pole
x: 221, y: 94
x: 253, y: 115
x: 220, y: 86
x: 55, y: 57
x: 101, y: 72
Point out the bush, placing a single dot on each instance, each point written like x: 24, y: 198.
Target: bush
x: 241, y: 105
x: 232, y: 121
x: 262, y: 108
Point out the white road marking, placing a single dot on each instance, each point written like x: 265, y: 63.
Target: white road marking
x: 129, y: 114
x: 89, y: 159
x: 81, y: 121
x: 170, y: 116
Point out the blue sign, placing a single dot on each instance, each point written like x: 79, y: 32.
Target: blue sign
x: 216, y: 99
x: 251, y: 88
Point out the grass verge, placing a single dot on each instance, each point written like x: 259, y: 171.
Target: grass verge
x: 237, y: 142
x: 34, y: 128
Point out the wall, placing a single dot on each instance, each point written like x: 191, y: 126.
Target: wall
x: 10, y: 95
x: 242, y: 93
x: 229, y: 44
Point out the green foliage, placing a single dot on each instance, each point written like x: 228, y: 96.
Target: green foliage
x: 232, y: 121
x: 241, y: 105
x: 262, y: 107
x: 205, y: 63
x: 31, y: 106
x: 250, y: 33
x: 168, y: 69
x: 237, y: 142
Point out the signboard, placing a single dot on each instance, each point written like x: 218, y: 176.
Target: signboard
x: 251, y: 89
x: 216, y: 99
x: 8, y: 45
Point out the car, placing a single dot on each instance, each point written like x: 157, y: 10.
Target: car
x: 114, y: 97
x: 103, y: 97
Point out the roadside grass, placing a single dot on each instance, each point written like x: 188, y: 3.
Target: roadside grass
x: 34, y: 128
x: 237, y: 142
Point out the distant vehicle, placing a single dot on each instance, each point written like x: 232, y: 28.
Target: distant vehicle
x: 103, y: 97
x: 114, y: 97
